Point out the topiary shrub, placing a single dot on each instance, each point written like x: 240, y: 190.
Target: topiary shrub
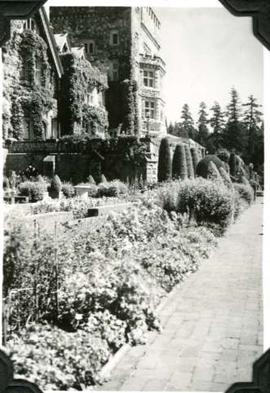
x: 55, y: 187
x: 226, y: 178
x: 202, y: 167
x: 213, y: 173
x: 223, y: 155
x: 164, y: 161
x: 68, y: 190
x: 195, y: 158
x: 103, y: 179
x: 6, y: 184
x: 232, y: 164
x: 91, y: 180
x: 190, y: 171
x: 34, y: 190
x: 179, y: 163
x: 245, y: 192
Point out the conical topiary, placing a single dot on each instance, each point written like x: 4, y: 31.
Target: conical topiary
x: 213, y: 173
x: 91, y: 180
x: 55, y: 187
x: 103, y: 179
x: 202, y: 167
x: 176, y: 163
x: 226, y: 178
x: 183, y: 163
x: 232, y: 164
x: 190, y: 171
x: 164, y: 161
x: 195, y: 158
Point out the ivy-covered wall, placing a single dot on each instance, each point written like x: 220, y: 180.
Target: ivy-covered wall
x: 30, y: 84
x: 77, y: 115
x: 97, y: 24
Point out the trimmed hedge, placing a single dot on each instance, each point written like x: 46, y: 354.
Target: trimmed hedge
x: 164, y: 161
x: 33, y: 190
x: 202, y: 169
x: 190, y: 170
x: 179, y: 165
x: 195, y: 158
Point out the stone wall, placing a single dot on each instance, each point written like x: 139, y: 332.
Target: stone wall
x: 98, y: 25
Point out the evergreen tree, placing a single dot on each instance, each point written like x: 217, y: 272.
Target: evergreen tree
x: 252, y: 120
x: 187, y: 123
x: 170, y: 129
x: 217, y: 123
x: 234, y: 136
x: 203, y: 131
x: 164, y: 161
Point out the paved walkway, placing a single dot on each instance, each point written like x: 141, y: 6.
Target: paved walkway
x: 212, y: 324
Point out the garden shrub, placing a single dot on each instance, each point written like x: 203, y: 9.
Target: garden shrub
x: 71, y: 360
x: 91, y: 180
x: 232, y: 164
x: 164, y: 161
x: 176, y: 162
x: 55, y: 187
x: 205, y: 201
x: 112, y: 189
x: 223, y: 155
x: 245, y: 192
x: 190, y: 170
x: 68, y: 190
x: 213, y: 173
x: 225, y: 177
x: 33, y: 190
x: 195, y: 158
x: 179, y: 165
x: 202, y: 167
x: 6, y: 184
x: 103, y: 179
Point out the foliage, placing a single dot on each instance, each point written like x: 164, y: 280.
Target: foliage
x: 225, y: 177
x: 232, y: 164
x: 213, y: 173
x: 56, y: 186
x: 164, y: 161
x: 190, y: 170
x: 203, y: 131
x: 68, y: 190
x: 202, y: 169
x: 223, y: 155
x: 112, y: 189
x: 245, y: 192
x: 33, y: 190
x: 195, y: 158
x: 179, y: 165
x: 187, y: 128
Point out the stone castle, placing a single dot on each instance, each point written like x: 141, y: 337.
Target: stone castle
x: 124, y: 42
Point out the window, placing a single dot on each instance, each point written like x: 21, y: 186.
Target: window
x: 89, y: 47
x: 149, y: 109
x: 27, y: 126
x: 114, y: 71
x: 38, y: 72
x: 29, y: 24
x: 26, y: 70
x: 114, y: 38
x: 148, y: 78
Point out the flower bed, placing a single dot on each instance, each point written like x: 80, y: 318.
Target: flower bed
x: 99, y: 289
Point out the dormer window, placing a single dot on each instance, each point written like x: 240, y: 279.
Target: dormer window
x: 29, y: 24
x: 89, y: 47
x: 114, y: 38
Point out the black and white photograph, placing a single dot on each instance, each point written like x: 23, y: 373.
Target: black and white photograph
x: 133, y: 196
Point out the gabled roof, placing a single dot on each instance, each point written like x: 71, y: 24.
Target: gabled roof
x: 50, y: 40
x: 78, y: 52
x: 62, y: 42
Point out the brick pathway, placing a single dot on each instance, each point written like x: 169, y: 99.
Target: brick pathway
x: 212, y: 324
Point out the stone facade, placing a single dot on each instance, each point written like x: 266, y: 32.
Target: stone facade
x: 31, y: 75
x: 125, y: 42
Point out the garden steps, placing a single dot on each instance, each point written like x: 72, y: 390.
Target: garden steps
x: 212, y: 325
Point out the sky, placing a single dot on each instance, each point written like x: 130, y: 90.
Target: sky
x: 208, y: 51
